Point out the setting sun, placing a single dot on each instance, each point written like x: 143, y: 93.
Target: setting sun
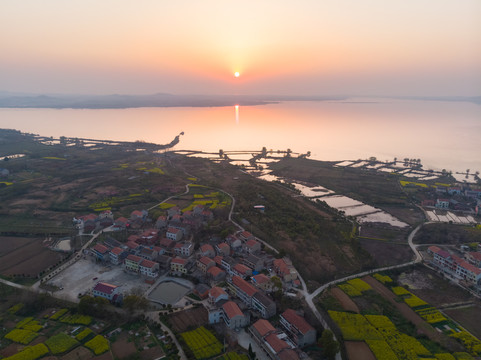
x: 236, y: 74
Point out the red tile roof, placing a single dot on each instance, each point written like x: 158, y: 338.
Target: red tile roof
x: 216, y: 291
x: 206, y: 247
x: 100, y: 248
x: 179, y: 261
x: 148, y: 264
x: 105, y: 288
x: 260, y: 279
x: 276, y: 344
x: 218, y: 259
x: 475, y: 255
x: 136, y: 213
x: 443, y: 254
x: 215, y: 271
x: 296, y: 320
x: 122, y: 219
x: 134, y: 258
x: 223, y: 246
x: 205, y: 260
x: 251, y: 243
x: 89, y: 217
x: 469, y: 267
x: 263, y: 327
x: 132, y: 245
x: 231, y: 309
x: 244, y: 285
x: 116, y: 251
x: 288, y: 354
x: 245, y: 234
x: 242, y: 269
x: 166, y: 242
x: 434, y: 249
x: 172, y: 230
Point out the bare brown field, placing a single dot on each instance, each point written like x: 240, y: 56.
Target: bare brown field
x: 10, y: 350
x: 385, y: 253
x: 345, y: 300
x: 358, y: 350
x: 152, y: 353
x: 469, y: 318
x: 122, y: 347
x: 107, y: 356
x: 25, y: 256
x: 430, y: 287
x: 184, y: 319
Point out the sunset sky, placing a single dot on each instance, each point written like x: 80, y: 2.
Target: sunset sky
x: 309, y: 47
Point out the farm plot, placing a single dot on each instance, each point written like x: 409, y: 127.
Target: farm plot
x: 359, y: 350
x: 345, y: 300
x: 183, y: 320
x: 202, y: 343
x: 25, y: 256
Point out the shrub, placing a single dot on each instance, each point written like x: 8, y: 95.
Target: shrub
x: 60, y: 343
x: 98, y: 345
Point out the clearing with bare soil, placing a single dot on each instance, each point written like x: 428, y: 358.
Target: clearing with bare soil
x: 358, y: 350
x: 345, y: 300
x: 25, y: 256
x: 183, y: 320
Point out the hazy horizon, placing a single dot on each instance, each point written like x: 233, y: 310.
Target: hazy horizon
x: 315, y: 48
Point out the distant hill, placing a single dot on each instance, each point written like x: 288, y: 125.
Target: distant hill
x: 120, y: 101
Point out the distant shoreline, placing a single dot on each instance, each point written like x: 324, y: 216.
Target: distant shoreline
x: 98, y: 102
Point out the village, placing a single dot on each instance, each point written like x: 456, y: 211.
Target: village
x: 233, y: 278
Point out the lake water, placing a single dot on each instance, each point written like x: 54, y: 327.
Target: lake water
x: 442, y: 134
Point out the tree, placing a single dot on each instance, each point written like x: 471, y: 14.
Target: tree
x: 330, y: 347
x: 134, y: 302
x: 264, y: 152
x: 252, y: 354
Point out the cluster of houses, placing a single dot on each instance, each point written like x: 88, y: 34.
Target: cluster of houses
x: 455, y: 198
x: 284, y: 343
x: 467, y: 270
x: 238, y: 262
x: 278, y: 344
